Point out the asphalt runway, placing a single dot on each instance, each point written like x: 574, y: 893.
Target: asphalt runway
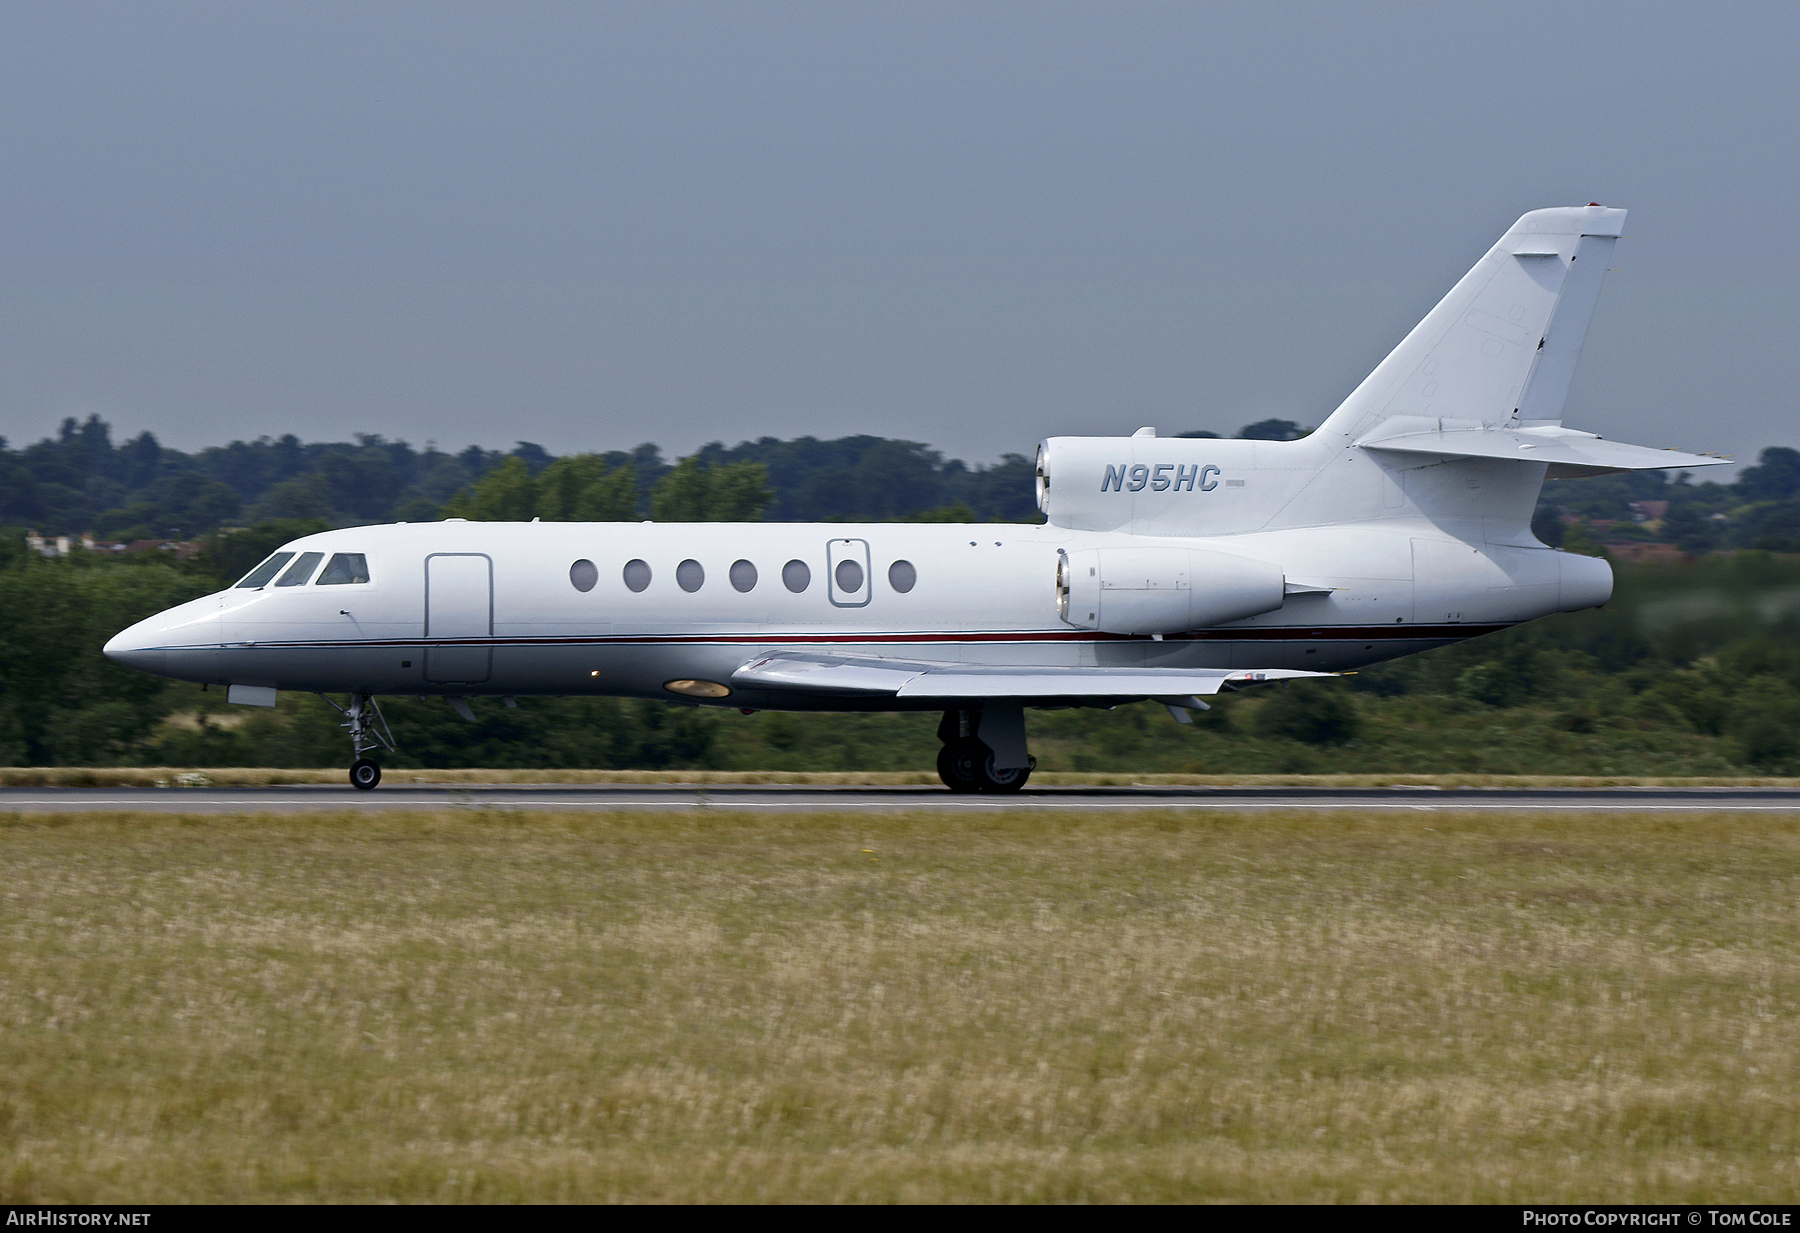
x: 790, y: 797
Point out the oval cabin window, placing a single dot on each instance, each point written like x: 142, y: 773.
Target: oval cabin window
x: 637, y: 575
x: 689, y: 575
x: 743, y: 576
x: 583, y: 575
x: 849, y: 577
x: 796, y: 576
x: 902, y: 576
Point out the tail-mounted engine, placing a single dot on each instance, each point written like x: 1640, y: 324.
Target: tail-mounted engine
x: 1162, y: 590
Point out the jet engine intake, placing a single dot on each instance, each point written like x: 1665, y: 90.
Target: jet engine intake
x: 1162, y: 590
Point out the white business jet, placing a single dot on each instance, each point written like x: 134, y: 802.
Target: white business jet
x: 1169, y: 569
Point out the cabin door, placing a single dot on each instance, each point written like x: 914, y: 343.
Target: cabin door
x: 847, y: 566
x: 459, y: 608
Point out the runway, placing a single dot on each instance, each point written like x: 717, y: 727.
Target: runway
x: 802, y: 798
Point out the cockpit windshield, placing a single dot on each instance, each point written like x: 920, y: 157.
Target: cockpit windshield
x: 344, y: 568
x: 259, y: 577
x: 301, y: 570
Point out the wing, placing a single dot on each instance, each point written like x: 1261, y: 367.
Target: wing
x: 911, y: 678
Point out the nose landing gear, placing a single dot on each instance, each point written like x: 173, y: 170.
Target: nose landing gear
x: 967, y: 763
x: 361, y: 717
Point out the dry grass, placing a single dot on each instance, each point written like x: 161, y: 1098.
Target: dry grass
x: 517, y: 1006
x: 177, y: 776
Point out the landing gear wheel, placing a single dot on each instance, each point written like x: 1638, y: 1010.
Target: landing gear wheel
x: 1009, y: 780
x: 961, y: 762
x: 364, y: 774
x: 368, y: 730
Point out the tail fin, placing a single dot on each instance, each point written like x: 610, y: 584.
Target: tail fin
x: 1501, y: 347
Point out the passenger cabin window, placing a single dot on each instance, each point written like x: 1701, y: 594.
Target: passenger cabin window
x: 743, y: 576
x: 259, y: 577
x: 796, y: 576
x: 344, y: 568
x: 689, y: 576
x: 637, y: 575
x: 301, y: 570
x: 902, y: 576
x: 583, y: 575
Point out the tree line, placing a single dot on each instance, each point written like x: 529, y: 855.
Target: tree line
x: 80, y: 480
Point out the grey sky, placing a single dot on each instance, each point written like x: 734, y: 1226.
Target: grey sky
x: 972, y: 225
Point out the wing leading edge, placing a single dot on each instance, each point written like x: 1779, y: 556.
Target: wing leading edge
x: 909, y: 678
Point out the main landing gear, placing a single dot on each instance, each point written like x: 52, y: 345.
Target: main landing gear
x: 361, y: 718
x: 984, y: 749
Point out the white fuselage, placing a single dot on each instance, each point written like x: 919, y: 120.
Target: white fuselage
x: 467, y: 608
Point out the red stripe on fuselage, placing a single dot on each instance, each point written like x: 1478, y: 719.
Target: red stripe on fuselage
x: 1296, y: 633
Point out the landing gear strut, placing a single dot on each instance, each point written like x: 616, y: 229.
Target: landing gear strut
x: 361, y: 718
x: 969, y: 764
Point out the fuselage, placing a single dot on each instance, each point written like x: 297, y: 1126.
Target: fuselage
x: 624, y: 609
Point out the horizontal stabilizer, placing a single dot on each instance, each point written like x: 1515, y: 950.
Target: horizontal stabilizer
x: 1562, y: 447
x: 925, y: 679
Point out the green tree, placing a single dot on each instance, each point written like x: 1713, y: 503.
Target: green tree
x: 1272, y: 430
x: 1547, y: 525
x: 1317, y: 712
x: 61, y: 701
x: 1688, y: 530
x: 728, y: 492
x: 308, y: 498
x: 1766, y: 724
x: 580, y: 488
x: 1577, y: 538
x: 508, y: 494
x: 957, y: 511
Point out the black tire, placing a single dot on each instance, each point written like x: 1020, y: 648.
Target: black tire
x: 364, y: 775
x: 993, y: 780
x: 960, y: 764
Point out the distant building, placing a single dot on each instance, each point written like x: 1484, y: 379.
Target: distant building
x: 1648, y: 511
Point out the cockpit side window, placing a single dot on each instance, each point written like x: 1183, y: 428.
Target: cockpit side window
x: 301, y: 570
x: 343, y: 568
x: 259, y: 577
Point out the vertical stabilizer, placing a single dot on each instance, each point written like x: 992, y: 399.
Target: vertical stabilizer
x: 1502, y: 345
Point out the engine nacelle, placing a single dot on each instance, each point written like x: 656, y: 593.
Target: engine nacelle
x: 1162, y: 590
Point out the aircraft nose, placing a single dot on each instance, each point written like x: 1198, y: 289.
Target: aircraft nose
x: 135, y: 648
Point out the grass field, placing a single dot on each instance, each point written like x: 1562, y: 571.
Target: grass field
x: 504, y: 1006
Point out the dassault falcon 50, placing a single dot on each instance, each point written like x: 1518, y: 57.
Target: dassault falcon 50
x: 1168, y: 568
